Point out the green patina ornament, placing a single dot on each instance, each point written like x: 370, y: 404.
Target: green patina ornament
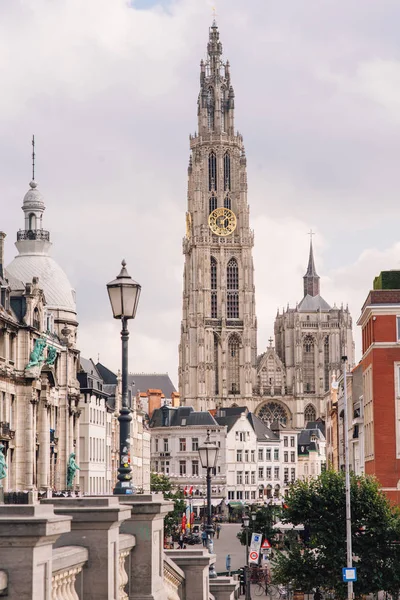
x: 72, y: 467
x: 51, y: 355
x: 3, y: 466
x: 36, y: 356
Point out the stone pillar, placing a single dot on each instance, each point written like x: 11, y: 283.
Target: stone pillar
x: 195, y: 564
x: 224, y: 588
x: 30, y: 443
x: 147, y: 525
x: 44, y: 448
x: 27, y: 535
x: 95, y: 525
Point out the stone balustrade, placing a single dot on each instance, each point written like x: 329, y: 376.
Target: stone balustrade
x: 98, y: 548
x: 126, y: 543
x: 174, y: 579
x: 66, y: 581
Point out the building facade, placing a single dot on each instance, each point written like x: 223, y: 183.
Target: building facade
x: 176, y: 435
x: 380, y: 323
x: 39, y: 359
x: 218, y: 345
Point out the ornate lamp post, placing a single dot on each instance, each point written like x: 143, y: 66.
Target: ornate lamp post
x: 208, y: 454
x: 124, y: 298
x: 246, y: 523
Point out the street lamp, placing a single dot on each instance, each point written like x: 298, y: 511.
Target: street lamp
x: 246, y: 523
x: 124, y: 298
x: 208, y: 454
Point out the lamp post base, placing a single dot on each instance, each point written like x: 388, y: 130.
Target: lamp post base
x: 122, y: 491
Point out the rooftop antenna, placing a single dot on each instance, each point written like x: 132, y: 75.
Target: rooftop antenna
x: 33, y: 158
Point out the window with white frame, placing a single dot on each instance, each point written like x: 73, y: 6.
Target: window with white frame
x: 182, y: 444
x: 195, y: 467
x: 286, y: 475
x: 239, y: 495
x: 276, y: 473
x: 239, y: 477
x: 292, y: 457
x: 246, y: 456
x: 285, y: 441
x: 246, y: 477
x: 253, y: 495
x: 260, y: 472
x: 253, y: 477
x: 276, y: 453
x: 268, y: 454
x: 293, y: 474
x: 182, y: 467
x: 253, y: 456
x: 286, y: 457
x: 231, y: 495
x: 239, y: 455
x: 260, y: 454
x: 292, y: 441
x: 247, y: 495
x: 156, y: 444
x: 268, y: 472
x: 195, y: 444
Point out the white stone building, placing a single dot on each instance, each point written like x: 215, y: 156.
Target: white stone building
x: 311, y: 451
x: 176, y: 434
x: 38, y: 359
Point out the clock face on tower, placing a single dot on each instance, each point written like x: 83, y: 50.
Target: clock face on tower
x: 222, y: 221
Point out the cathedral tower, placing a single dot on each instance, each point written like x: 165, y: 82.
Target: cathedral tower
x: 218, y: 346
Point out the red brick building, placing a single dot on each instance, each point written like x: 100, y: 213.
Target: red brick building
x: 380, y: 322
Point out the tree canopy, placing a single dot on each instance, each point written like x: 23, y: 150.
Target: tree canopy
x: 316, y: 558
x: 162, y: 483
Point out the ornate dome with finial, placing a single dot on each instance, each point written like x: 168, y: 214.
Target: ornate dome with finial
x: 33, y: 259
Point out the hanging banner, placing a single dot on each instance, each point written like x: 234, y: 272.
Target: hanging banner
x: 255, y: 545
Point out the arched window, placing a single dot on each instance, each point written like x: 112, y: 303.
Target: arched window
x: 326, y: 363
x: 234, y: 365
x: 227, y: 202
x: 36, y: 319
x: 32, y: 222
x: 273, y: 412
x: 213, y: 276
x: 216, y: 365
x: 232, y: 286
x: 227, y: 171
x: 310, y: 414
x: 212, y: 171
x: 212, y: 204
x: 210, y: 108
x: 309, y: 365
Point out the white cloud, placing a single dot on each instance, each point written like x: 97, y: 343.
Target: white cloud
x: 110, y: 92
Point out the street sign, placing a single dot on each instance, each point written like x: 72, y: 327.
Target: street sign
x: 349, y: 574
x: 253, y: 556
x: 265, y: 544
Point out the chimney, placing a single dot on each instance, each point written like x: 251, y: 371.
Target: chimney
x: 2, y: 238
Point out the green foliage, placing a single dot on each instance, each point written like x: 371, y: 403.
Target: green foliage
x: 316, y: 559
x: 265, y: 518
x: 387, y: 280
x: 162, y: 483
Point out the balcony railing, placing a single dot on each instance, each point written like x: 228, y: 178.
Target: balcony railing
x: 68, y: 563
x: 33, y: 234
x: 5, y: 432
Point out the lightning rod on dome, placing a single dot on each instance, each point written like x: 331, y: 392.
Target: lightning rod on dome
x: 33, y: 157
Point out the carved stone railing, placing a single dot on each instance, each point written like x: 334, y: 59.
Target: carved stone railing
x: 174, y: 580
x: 66, y: 583
x: 126, y: 543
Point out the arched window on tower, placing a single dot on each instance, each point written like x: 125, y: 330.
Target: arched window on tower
x: 212, y: 172
x: 212, y: 203
x: 210, y: 108
x: 273, y: 411
x: 232, y: 286
x: 227, y: 202
x: 309, y: 365
x: 32, y: 222
x: 216, y: 365
x: 234, y: 364
x: 213, y: 274
x: 326, y: 363
x: 227, y: 171
x: 310, y: 414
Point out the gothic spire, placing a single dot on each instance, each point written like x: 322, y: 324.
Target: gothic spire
x: 311, y: 278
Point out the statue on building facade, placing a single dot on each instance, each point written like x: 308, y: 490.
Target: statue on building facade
x: 36, y: 356
x: 51, y: 355
x: 3, y: 465
x: 72, y: 467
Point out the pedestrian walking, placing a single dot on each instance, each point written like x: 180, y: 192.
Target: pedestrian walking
x: 204, y: 538
x: 181, y: 540
x: 218, y: 530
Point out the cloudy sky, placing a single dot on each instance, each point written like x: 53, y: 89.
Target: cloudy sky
x: 110, y: 91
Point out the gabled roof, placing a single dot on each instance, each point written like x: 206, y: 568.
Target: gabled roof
x: 151, y: 381
x: 107, y: 375
x: 88, y: 366
x: 319, y: 424
x: 228, y: 422
x: 183, y: 416
x: 262, y: 432
x: 313, y: 304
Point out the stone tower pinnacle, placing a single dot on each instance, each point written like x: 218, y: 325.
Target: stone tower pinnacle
x: 311, y: 279
x: 218, y: 346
